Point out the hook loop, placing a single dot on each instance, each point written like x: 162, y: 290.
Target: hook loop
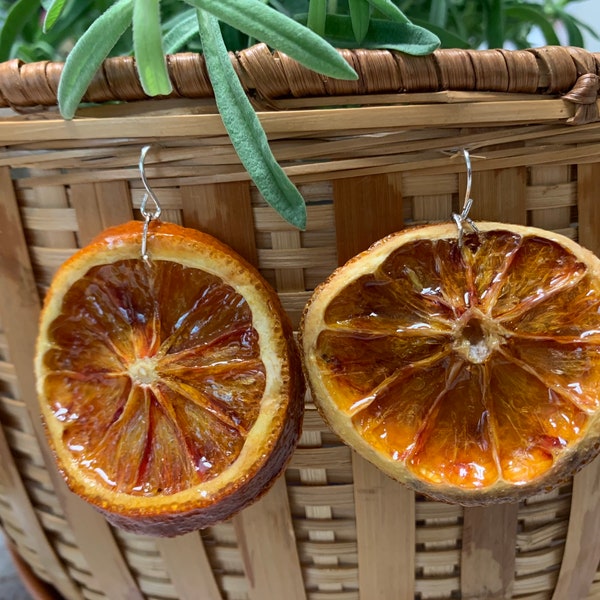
x: 149, y: 215
x: 462, y: 219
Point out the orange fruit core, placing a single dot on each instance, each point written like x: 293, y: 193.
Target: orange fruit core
x: 470, y: 373
x: 169, y: 386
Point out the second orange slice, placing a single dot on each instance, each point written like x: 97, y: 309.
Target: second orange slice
x: 470, y: 373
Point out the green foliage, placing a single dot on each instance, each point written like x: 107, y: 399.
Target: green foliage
x: 148, y: 48
x: 497, y: 23
x: 89, y: 52
x: 85, y: 32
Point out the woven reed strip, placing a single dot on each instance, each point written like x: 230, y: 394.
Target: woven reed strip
x: 270, y: 75
x: 223, y: 210
x: 316, y: 145
x: 588, y: 210
x: 30, y: 534
x: 292, y: 124
x: 386, y: 153
x: 103, y: 556
x: 268, y: 548
x: 582, y: 551
x: 19, y: 305
x: 385, y: 522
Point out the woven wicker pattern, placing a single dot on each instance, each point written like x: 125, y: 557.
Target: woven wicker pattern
x: 334, y: 528
x: 268, y: 76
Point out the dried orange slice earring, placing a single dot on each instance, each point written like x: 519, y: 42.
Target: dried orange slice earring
x: 170, y: 387
x: 467, y: 369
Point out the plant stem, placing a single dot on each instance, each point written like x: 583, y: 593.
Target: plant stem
x: 317, y: 13
x: 495, y: 23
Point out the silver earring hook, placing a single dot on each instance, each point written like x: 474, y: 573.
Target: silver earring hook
x: 148, y: 195
x: 463, y: 219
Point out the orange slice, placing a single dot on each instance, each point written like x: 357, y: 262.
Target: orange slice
x: 473, y: 374
x: 171, y: 389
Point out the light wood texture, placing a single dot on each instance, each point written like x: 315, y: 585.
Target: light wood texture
x: 487, y: 566
x: 557, y: 217
x: 188, y: 567
x: 266, y: 537
x: 588, y: 177
x: 99, y: 206
x: 385, y: 530
x: 582, y: 547
x: 19, y: 309
x: 498, y: 195
x: 224, y: 211
x: 13, y: 491
x: 489, y: 113
x: 366, y: 209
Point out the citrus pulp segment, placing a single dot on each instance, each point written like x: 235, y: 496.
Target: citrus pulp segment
x: 170, y: 388
x: 470, y: 373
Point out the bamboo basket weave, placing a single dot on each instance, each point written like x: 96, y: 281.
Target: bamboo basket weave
x: 370, y: 157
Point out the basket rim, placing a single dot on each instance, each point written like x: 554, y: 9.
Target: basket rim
x: 268, y: 76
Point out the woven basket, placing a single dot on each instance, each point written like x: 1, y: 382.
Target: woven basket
x: 370, y: 157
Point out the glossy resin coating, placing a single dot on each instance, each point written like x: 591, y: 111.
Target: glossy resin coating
x: 170, y: 387
x: 473, y: 368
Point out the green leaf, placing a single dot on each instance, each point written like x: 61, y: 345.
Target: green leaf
x: 573, y: 31
x: 20, y: 15
x: 180, y: 30
x: 438, y: 13
x: 531, y: 14
x: 148, y: 48
x: 585, y: 27
x: 317, y: 14
x: 89, y: 52
x: 278, y: 31
x: 234, y: 39
x: 244, y: 128
x: 404, y: 37
x: 360, y: 15
x: 74, y: 20
x: 495, y: 24
x: 52, y: 14
x: 389, y: 10
x: 447, y: 38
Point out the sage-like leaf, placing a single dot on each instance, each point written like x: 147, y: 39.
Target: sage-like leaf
x: 389, y: 10
x: 447, y: 38
x: 89, y: 52
x: 278, y: 31
x: 360, y: 15
x: 244, y: 128
x: 180, y: 30
x: 20, y: 14
x: 148, y: 48
x: 53, y: 13
x: 404, y: 37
